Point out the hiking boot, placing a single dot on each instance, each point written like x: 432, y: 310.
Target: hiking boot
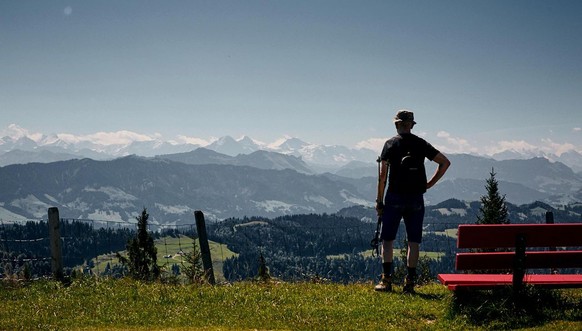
x: 408, y: 286
x: 385, y: 284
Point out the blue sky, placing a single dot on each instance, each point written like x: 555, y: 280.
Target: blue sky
x: 479, y: 75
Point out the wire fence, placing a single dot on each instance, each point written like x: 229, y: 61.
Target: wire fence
x: 88, y: 246
x: 91, y: 247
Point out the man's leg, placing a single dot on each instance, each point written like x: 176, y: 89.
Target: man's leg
x: 387, y: 251
x: 390, y: 222
x: 387, y: 258
x: 413, y: 221
x: 412, y: 263
x: 413, y: 254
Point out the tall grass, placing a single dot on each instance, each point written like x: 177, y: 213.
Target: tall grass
x: 501, y: 308
x: 108, y: 304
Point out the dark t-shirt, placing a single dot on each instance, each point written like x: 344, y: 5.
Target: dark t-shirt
x: 405, y: 154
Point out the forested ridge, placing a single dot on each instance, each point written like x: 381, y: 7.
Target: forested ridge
x: 334, y: 247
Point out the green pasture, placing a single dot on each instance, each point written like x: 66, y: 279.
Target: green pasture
x: 396, y: 252
x: 170, y: 251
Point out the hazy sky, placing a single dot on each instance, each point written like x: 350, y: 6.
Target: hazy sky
x: 479, y: 75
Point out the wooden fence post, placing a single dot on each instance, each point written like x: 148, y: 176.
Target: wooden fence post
x: 204, y: 247
x: 55, y: 241
x: 549, y: 217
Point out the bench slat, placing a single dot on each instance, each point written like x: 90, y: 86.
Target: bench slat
x: 504, y: 235
x: 454, y: 287
x: 490, y: 280
x: 505, y: 260
x: 494, y: 279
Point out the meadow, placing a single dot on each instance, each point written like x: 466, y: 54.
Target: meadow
x: 88, y: 303
x: 170, y: 251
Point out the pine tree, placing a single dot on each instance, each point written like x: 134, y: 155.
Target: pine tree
x: 142, y: 260
x: 263, y: 273
x: 493, y: 207
x: 193, y: 268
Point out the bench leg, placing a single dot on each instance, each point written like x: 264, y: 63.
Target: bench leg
x: 519, y: 263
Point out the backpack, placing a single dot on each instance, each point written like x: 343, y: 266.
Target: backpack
x: 411, y: 171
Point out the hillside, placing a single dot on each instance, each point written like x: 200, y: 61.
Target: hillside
x: 262, y: 183
x: 170, y: 252
x: 114, y: 190
x: 258, y: 159
x: 522, y: 181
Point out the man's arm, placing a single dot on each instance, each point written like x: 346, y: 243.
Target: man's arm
x: 444, y: 164
x: 382, y: 176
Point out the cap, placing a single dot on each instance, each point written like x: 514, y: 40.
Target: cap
x: 404, y: 116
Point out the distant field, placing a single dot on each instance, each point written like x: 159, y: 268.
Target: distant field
x: 369, y: 252
x: 448, y: 232
x: 170, y: 252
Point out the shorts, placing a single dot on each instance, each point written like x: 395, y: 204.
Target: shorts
x: 409, y: 207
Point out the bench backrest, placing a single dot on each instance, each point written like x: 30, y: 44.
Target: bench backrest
x: 519, y: 235
x: 504, y: 235
x: 506, y: 260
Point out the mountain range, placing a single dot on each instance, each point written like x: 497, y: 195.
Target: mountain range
x: 262, y: 183
x: 523, y: 181
x: 235, y: 178
x: 20, y: 146
x: 116, y: 189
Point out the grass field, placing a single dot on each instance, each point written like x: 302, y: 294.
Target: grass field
x: 170, y: 250
x: 448, y: 232
x: 108, y: 304
x: 369, y: 253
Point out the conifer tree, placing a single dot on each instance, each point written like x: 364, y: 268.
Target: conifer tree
x: 263, y: 273
x: 142, y: 252
x: 493, y: 207
x: 193, y: 268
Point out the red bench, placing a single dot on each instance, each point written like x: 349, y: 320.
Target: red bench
x: 519, y: 238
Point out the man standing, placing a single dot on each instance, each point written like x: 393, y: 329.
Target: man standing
x: 402, y: 163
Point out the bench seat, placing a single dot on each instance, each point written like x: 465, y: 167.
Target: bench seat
x: 454, y: 281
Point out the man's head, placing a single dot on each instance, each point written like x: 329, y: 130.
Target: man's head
x: 404, y: 116
x: 404, y: 120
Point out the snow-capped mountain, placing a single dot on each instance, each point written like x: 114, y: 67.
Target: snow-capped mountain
x: 290, y: 145
x: 318, y: 155
x: 102, y: 146
x: 323, y: 155
x: 230, y: 146
x: 22, y: 143
x: 571, y: 158
x: 109, y: 145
